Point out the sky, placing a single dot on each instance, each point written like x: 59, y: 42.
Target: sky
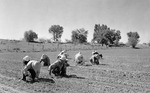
x: 18, y: 16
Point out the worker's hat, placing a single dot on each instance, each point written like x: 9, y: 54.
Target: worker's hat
x: 26, y: 58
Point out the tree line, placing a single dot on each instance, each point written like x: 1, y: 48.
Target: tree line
x: 102, y: 35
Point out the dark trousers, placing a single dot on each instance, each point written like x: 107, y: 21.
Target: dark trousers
x: 94, y: 61
x: 25, y: 63
x: 59, y: 72
x: 63, y: 71
x: 56, y: 71
x: 33, y: 74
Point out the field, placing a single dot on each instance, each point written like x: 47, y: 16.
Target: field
x: 123, y: 70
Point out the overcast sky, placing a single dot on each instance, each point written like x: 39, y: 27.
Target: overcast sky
x: 18, y: 16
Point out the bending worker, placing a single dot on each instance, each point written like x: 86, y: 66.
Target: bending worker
x: 58, y: 68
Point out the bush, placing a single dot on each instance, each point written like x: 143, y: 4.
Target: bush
x: 29, y: 36
x: 42, y: 40
x: 16, y: 49
x: 121, y: 44
x: 68, y: 41
x: 48, y: 41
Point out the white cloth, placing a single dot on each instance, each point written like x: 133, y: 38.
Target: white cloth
x: 57, y: 64
x: 79, y: 58
x: 26, y: 58
x: 35, y: 65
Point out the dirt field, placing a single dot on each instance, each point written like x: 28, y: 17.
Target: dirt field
x: 121, y: 71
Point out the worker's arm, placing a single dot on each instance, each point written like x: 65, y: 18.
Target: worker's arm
x: 25, y: 70
x: 50, y: 70
x: 51, y: 67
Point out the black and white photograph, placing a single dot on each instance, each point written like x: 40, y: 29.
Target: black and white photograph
x: 74, y: 46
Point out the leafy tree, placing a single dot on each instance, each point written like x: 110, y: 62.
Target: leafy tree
x: 117, y: 37
x: 99, y: 34
x: 105, y: 35
x: 29, y: 36
x: 79, y: 35
x: 56, y: 31
x: 133, y: 38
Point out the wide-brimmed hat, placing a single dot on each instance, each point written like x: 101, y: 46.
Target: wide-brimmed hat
x: 26, y: 58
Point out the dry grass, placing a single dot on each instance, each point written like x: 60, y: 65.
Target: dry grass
x: 20, y: 46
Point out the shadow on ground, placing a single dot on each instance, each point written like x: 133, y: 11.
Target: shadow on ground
x: 46, y: 80
x: 104, y: 64
x: 74, y: 76
x: 88, y: 65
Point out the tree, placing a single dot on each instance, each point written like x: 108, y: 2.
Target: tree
x: 79, y: 35
x: 29, y: 36
x: 117, y: 37
x: 56, y: 31
x: 105, y: 35
x: 133, y: 38
x: 99, y: 32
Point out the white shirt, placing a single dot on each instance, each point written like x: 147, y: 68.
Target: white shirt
x: 79, y: 58
x: 35, y: 65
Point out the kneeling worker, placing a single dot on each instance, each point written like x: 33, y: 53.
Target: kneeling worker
x: 58, y: 68
x: 33, y: 67
x: 95, y: 58
x: 31, y: 73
